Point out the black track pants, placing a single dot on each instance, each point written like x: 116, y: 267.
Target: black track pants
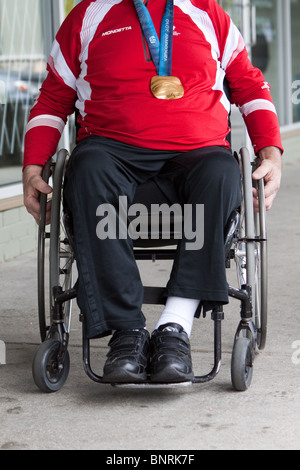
x: 110, y: 291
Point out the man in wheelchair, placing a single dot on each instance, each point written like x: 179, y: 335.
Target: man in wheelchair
x: 151, y: 107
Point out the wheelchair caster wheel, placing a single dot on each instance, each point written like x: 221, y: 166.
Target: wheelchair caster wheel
x: 49, y: 371
x: 242, y: 364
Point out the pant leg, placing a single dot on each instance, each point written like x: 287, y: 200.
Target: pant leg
x: 110, y: 291
x: 210, y: 177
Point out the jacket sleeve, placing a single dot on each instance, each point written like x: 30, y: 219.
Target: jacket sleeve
x: 251, y: 93
x: 56, y: 100
x: 248, y: 89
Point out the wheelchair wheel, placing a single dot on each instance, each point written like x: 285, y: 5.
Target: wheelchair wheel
x: 60, y: 260
x: 251, y: 249
x: 50, y: 369
x: 242, y: 364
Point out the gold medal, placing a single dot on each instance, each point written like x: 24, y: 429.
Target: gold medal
x: 166, y: 88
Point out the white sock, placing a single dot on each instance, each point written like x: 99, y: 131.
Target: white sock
x: 179, y: 310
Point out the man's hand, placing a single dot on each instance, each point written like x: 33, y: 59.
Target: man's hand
x: 33, y: 185
x: 270, y: 169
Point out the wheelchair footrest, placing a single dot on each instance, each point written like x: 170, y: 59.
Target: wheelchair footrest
x: 152, y: 385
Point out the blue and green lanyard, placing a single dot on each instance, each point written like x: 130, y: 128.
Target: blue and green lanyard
x: 160, y: 50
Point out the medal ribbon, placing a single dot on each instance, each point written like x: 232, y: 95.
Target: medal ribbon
x: 161, y: 51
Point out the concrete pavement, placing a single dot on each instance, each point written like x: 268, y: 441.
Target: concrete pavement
x: 85, y: 415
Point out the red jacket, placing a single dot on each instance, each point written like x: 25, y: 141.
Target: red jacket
x: 100, y: 65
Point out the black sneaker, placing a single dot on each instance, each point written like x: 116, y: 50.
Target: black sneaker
x: 128, y: 356
x: 171, y: 360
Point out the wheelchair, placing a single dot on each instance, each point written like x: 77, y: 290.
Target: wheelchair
x: 245, y: 241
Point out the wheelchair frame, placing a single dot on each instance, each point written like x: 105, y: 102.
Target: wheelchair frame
x: 245, y: 242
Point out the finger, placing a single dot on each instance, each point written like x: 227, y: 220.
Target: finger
x: 255, y: 199
x: 269, y: 198
x: 255, y: 193
x: 255, y: 205
x: 271, y: 176
x: 40, y: 185
x: 263, y: 170
x: 269, y: 201
x: 271, y: 188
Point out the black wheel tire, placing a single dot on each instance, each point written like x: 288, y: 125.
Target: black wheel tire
x: 242, y: 364
x: 48, y: 374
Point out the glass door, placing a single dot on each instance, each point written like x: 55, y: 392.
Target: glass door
x: 265, y: 48
x: 22, y: 68
x: 266, y: 26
